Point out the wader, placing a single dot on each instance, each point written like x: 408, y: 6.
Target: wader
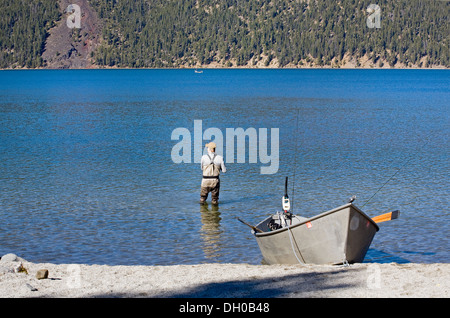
x: 210, y: 182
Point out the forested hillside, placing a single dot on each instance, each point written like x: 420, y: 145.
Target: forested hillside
x: 23, y: 30
x: 233, y: 33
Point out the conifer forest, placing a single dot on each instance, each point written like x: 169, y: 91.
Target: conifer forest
x: 238, y: 33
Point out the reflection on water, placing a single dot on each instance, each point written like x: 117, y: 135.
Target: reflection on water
x: 210, y: 230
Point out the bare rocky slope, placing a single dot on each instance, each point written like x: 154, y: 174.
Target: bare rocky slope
x: 72, y: 47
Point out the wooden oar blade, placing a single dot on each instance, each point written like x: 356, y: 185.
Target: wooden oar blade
x: 386, y: 217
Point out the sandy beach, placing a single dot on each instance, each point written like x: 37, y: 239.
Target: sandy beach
x: 18, y: 279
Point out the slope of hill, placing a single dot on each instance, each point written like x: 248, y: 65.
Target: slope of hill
x: 72, y: 47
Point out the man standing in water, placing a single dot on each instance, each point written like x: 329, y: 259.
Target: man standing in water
x: 211, y: 165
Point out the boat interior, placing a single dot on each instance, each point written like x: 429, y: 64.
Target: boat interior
x: 279, y: 221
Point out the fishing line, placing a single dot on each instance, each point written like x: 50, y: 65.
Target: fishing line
x: 295, y: 159
x: 398, y: 170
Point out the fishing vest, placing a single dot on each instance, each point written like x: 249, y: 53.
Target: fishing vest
x: 211, y: 171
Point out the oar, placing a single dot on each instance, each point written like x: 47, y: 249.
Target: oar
x: 386, y: 217
x: 254, y: 228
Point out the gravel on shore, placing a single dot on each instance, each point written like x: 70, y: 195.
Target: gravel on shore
x: 18, y: 279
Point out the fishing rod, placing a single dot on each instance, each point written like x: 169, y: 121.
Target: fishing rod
x: 399, y: 169
x: 285, y: 202
x: 295, y: 161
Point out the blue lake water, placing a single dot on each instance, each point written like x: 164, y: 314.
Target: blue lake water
x: 87, y: 175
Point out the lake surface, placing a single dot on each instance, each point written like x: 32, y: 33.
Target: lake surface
x: 87, y: 172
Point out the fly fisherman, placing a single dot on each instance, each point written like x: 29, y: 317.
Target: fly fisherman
x: 211, y: 165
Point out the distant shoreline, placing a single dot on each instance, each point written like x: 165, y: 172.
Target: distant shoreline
x: 227, y: 68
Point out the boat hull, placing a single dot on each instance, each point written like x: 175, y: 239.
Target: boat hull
x: 337, y: 236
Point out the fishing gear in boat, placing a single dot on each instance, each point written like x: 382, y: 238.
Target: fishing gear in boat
x: 286, y: 203
x: 280, y: 220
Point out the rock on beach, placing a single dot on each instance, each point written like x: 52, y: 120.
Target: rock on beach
x: 8, y: 258
x: 11, y: 263
x: 366, y: 280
